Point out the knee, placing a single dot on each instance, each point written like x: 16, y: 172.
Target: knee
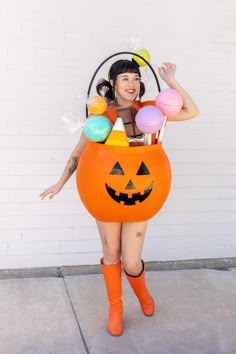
x: 111, y: 257
x: 133, y: 267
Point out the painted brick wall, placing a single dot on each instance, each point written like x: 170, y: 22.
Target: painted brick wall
x: 48, y: 53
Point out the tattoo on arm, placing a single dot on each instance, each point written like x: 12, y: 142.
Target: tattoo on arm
x: 74, y: 163
x: 139, y: 234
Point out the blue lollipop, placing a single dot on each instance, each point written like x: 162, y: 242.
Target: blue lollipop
x: 97, y: 128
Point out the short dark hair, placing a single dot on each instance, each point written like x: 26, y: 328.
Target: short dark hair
x: 123, y: 66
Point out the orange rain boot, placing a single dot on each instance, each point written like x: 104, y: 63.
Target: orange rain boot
x: 112, y: 277
x: 138, y: 285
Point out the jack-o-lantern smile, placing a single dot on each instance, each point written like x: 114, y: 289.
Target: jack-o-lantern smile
x: 124, y: 197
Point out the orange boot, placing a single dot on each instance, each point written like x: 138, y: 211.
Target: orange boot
x: 138, y: 285
x: 112, y: 277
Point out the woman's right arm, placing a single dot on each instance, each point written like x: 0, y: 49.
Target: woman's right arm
x: 68, y: 171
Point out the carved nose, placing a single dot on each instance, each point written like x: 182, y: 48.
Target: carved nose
x: 130, y: 185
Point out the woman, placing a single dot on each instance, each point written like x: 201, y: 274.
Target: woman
x: 124, y: 240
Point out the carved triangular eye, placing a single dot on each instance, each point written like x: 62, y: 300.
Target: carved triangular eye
x: 117, y: 170
x: 143, y: 170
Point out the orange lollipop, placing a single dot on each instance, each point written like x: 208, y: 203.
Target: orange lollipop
x: 97, y: 105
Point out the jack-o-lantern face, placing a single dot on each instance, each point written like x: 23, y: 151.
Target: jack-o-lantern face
x: 123, y: 183
x: 136, y: 196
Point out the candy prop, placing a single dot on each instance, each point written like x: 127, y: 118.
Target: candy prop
x: 134, y: 42
x: 149, y: 119
x: 169, y: 101
x: 97, y: 128
x: 148, y: 139
x: 97, y: 105
x: 74, y: 120
x: 118, y: 135
x: 161, y: 132
x: 71, y: 122
x: 123, y: 183
x: 145, y: 54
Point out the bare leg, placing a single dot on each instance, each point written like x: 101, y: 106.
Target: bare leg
x: 132, y: 244
x: 110, y: 233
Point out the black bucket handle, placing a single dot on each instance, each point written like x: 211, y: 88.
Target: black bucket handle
x: 111, y: 56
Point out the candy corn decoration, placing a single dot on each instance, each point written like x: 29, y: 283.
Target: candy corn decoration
x: 118, y: 135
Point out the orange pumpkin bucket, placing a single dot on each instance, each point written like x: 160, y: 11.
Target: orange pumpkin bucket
x: 123, y: 184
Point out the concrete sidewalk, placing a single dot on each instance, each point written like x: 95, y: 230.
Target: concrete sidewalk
x: 195, y: 314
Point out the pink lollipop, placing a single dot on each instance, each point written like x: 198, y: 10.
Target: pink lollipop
x: 169, y: 101
x: 149, y: 119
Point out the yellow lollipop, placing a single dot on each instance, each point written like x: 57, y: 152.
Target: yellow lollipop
x: 145, y: 54
x: 97, y: 105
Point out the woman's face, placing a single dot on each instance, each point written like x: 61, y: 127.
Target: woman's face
x: 127, y: 87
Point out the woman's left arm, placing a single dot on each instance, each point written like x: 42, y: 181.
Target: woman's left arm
x: 189, y: 110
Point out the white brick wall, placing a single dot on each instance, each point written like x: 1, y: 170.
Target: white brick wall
x: 48, y: 53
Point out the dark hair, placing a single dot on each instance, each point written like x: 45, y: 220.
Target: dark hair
x: 104, y: 88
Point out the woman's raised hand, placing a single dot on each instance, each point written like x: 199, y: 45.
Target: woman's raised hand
x: 167, y: 71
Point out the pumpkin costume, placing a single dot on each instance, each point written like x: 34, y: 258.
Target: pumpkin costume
x: 124, y: 184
